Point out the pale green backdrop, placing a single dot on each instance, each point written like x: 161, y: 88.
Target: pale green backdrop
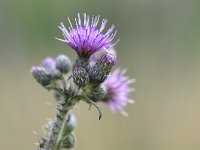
x: 160, y: 46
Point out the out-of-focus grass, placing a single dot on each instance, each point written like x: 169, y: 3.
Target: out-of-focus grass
x: 159, y: 46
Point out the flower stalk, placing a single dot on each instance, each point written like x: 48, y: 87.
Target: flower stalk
x: 54, y: 140
x: 89, y: 79
x: 58, y: 128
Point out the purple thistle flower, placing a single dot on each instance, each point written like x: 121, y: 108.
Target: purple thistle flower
x: 86, y: 38
x: 117, y: 86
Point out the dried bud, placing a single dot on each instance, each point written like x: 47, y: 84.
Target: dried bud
x: 68, y: 141
x: 41, y: 75
x: 80, y: 76
x: 99, y: 71
x: 63, y: 64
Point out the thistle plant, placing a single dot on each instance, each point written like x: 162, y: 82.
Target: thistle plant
x: 90, y: 78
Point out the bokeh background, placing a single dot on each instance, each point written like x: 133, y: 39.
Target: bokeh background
x: 160, y: 46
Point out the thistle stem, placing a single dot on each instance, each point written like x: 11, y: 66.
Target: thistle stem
x: 60, y: 135
x: 56, y: 133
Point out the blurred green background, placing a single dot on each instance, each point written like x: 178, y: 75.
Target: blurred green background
x: 160, y: 46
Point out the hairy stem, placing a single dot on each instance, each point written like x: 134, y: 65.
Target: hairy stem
x: 60, y: 135
x: 55, y: 136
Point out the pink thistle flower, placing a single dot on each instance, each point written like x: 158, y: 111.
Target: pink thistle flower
x: 86, y: 38
x: 117, y: 87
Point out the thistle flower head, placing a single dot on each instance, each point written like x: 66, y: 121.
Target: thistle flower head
x: 86, y: 38
x: 98, y: 55
x: 117, y: 86
x: 109, y: 58
x: 101, y: 69
x: 80, y: 76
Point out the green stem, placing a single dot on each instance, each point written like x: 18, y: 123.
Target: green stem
x: 60, y: 135
x: 55, y: 137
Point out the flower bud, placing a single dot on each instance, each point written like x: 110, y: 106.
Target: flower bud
x: 98, y: 93
x: 68, y: 141
x: 63, y: 64
x: 49, y: 64
x: 80, y: 76
x: 99, y: 71
x: 96, y: 56
x: 41, y: 75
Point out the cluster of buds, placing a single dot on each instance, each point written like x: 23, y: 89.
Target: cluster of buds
x: 89, y: 78
x: 51, y: 69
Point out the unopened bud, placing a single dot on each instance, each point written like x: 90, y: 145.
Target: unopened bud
x: 41, y: 75
x: 49, y: 64
x: 98, y: 93
x: 99, y: 71
x: 63, y: 64
x: 80, y: 76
